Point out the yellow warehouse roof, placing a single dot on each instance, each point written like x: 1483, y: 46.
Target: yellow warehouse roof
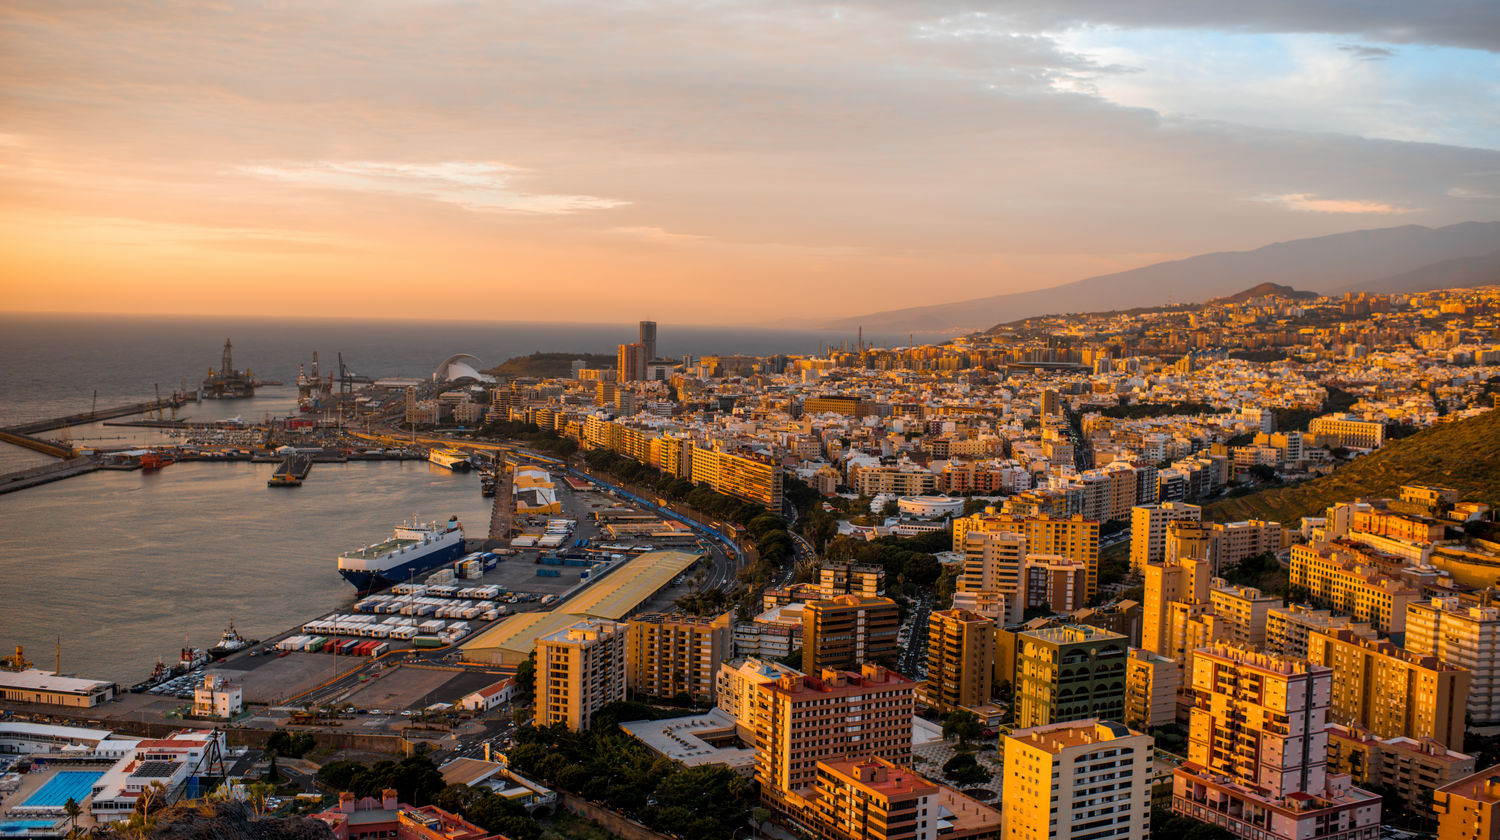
x: 622, y: 590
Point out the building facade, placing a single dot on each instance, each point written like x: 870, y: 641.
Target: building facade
x: 1390, y: 691
x: 579, y: 670
x: 671, y: 654
x: 960, y: 660
x: 1085, y: 779
x: 1069, y: 672
x: 848, y: 631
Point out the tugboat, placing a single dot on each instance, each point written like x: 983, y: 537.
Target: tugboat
x: 230, y: 642
x: 156, y: 459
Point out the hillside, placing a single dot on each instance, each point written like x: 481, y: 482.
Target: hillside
x: 1322, y: 264
x: 1461, y: 273
x: 544, y: 365
x: 1265, y: 290
x: 1464, y: 455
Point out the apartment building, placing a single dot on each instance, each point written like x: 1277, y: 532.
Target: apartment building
x: 1085, y: 779
x: 1390, y: 691
x: 1258, y: 752
x: 851, y: 579
x: 1222, y: 544
x: 1074, y: 537
x: 671, y: 654
x: 1053, y: 583
x: 1411, y: 768
x: 1469, y: 809
x: 1151, y: 683
x: 1184, y: 580
x: 579, y: 670
x: 896, y: 481
x: 1342, y: 578
x: 754, y: 478
x: 737, y: 685
x: 1347, y: 430
x: 1288, y: 628
x: 800, y: 720
x: 994, y: 563
x: 872, y: 799
x: 1245, y: 610
x: 1465, y: 637
x: 848, y: 631
x: 960, y: 660
x: 1069, y: 672
x: 829, y: 404
x: 1148, y: 530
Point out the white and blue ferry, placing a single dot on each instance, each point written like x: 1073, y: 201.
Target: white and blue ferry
x: 416, y: 548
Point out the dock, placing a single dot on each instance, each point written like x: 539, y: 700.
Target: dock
x: 82, y: 417
x: 57, y: 471
x: 291, y: 471
x: 503, y: 514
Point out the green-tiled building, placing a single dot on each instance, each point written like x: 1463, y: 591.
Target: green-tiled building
x: 1069, y: 672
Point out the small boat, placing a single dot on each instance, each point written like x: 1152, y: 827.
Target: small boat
x: 230, y: 642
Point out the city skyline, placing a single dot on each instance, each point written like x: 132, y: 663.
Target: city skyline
x: 193, y: 160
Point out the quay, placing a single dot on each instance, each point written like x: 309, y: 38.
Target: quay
x: 57, y: 471
x: 291, y: 471
x: 175, y: 401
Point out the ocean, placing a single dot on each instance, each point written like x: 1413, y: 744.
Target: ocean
x: 121, y: 568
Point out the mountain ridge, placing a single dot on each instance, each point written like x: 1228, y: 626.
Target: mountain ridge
x: 1323, y: 263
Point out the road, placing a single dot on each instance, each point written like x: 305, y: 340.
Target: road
x: 912, y: 660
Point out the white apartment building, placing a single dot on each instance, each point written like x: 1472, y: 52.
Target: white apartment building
x: 1078, y: 779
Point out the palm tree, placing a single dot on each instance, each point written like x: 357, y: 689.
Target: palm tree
x: 73, y: 810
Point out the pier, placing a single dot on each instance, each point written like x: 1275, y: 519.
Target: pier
x: 175, y: 401
x: 503, y: 514
x: 22, y: 479
x: 291, y: 471
x: 36, y: 444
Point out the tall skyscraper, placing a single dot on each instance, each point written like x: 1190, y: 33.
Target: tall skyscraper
x: 648, y: 339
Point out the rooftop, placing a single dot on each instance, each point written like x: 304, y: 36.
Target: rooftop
x: 682, y: 739
x: 1056, y: 737
x: 33, y: 679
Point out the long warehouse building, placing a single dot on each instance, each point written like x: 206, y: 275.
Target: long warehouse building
x: 616, y: 597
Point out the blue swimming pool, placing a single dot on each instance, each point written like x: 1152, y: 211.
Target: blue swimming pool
x: 22, y: 826
x: 68, y: 784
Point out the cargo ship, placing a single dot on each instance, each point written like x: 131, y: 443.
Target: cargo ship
x: 416, y: 548
x: 450, y: 459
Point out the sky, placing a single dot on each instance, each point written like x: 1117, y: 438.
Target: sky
x: 709, y: 162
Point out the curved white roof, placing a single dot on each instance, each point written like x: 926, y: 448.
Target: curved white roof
x: 461, y: 366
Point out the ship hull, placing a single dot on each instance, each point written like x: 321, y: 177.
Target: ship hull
x: 367, y: 580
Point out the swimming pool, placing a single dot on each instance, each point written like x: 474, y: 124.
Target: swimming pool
x: 8, y: 827
x: 68, y: 784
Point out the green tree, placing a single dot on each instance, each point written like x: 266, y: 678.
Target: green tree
x: 963, y: 725
x: 73, y: 810
x: 966, y: 771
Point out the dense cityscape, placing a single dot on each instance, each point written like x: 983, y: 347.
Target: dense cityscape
x: 749, y: 420
x: 1224, y: 569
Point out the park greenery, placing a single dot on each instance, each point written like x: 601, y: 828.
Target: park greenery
x: 605, y: 765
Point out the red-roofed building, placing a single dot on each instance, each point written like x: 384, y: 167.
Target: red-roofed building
x: 387, y: 819
x: 490, y: 696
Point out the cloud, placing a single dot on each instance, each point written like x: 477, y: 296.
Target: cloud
x: 471, y: 185
x: 1367, y: 52
x: 1308, y: 203
x: 654, y: 234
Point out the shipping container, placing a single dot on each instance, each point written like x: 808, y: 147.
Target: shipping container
x: 548, y: 573
x: 426, y: 642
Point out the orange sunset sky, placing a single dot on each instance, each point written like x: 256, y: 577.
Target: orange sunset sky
x: 756, y: 162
